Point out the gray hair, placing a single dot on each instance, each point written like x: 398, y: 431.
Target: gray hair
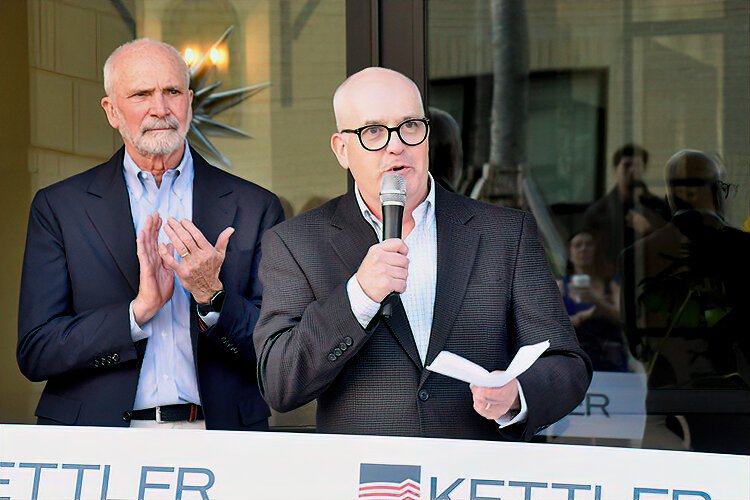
x: 139, y: 43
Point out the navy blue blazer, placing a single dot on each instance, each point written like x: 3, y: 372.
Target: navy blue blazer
x: 80, y: 273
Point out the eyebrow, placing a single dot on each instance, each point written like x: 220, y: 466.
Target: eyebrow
x: 150, y: 90
x: 380, y: 122
x: 135, y: 91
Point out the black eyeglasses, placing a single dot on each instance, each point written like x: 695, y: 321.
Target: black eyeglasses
x: 412, y: 132
x: 726, y: 189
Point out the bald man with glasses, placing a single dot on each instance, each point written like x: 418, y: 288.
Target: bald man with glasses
x: 472, y: 279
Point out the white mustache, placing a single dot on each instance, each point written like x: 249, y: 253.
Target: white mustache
x: 167, y: 122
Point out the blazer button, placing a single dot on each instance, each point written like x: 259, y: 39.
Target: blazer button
x: 115, y: 357
x: 337, y: 352
x: 348, y: 341
x: 331, y: 356
x: 96, y: 363
x: 126, y: 416
x: 424, y: 395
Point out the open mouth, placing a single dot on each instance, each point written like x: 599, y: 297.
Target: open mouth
x: 397, y: 168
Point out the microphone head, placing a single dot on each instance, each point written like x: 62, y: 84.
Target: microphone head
x: 393, y: 189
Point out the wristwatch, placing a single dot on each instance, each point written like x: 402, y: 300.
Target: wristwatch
x: 214, y: 304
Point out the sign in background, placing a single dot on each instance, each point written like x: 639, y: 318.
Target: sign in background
x: 614, y: 407
x: 56, y: 463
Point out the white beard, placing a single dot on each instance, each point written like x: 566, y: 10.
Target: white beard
x: 155, y: 142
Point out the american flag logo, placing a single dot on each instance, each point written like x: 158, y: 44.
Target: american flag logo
x: 389, y: 482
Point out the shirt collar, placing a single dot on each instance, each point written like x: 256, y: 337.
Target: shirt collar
x: 134, y: 176
x: 424, y: 213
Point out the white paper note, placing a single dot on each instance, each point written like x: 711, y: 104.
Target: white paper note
x: 454, y: 366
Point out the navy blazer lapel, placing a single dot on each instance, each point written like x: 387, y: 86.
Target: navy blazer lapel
x: 108, y: 207
x: 213, y: 211
x: 213, y: 207
x: 457, y: 246
x: 351, y: 243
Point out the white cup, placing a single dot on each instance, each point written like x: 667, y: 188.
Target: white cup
x: 578, y: 281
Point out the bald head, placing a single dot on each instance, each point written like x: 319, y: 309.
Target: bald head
x: 364, y: 85
x: 141, y: 48
x: 693, y: 178
x: 383, y: 97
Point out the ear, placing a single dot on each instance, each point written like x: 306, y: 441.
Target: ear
x: 109, y: 108
x: 190, y: 107
x: 338, y: 146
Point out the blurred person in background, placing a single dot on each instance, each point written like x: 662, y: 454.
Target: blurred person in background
x: 629, y: 211
x: 685, y: 306
x: 592, y: 298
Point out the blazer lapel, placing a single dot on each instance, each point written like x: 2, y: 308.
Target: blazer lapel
x: 108, y: 207
x: 398, y: 325
x: 351, y: 243
x: 457, y: 246
x: 355, y: 235
x: 213, y: 211
x: 213, y: 207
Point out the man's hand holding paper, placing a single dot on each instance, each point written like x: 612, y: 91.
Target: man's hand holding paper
x: 496, y: 402
x: 497, y: 395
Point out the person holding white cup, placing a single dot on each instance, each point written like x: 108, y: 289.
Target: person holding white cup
x: 591, y: 299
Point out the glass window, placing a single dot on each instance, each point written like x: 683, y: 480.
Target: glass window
x: 623, y: 127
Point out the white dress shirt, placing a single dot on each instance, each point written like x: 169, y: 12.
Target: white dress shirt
x: 168, y: 373
x: 419, y: 297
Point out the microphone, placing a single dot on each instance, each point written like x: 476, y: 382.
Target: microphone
x: 392, y: 201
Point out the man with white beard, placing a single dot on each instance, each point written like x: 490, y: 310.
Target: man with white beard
x: 139, y: 292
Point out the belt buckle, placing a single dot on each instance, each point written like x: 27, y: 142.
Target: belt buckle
x: 158, y: 415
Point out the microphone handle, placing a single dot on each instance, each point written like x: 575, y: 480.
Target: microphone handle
x: 392, y: 224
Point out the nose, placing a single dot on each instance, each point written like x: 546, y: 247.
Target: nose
x: 395, y: 145
x: 159, y: 106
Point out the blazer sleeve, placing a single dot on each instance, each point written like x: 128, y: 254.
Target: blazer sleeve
x: 54, y: 338
x: 298, y: 333
x: 234, y: 329
x: 558, y: 380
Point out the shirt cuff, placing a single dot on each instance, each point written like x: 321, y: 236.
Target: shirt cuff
x: 363, y: 307
x: 210, y: 319
x: 136, y: 333
x: 512, y: 417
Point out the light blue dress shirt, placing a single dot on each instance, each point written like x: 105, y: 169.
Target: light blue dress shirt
x: 168, y: 373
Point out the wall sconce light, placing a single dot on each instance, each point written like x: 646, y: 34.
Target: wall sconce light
x: 218, y: 56
x: 190, y: 56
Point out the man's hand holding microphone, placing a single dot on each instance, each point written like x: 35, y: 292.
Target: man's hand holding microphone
x: 384, y: 270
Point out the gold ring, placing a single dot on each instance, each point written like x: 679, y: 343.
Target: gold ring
x: 183, y: 255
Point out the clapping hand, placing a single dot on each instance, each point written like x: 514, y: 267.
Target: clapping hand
x: 156, y: 282
x: 200, y: 263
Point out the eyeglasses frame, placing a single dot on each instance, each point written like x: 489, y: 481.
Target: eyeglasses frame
x: 390, y: 130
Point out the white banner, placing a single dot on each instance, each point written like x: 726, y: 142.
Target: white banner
x: 614, y: 407
x: 55, y: 463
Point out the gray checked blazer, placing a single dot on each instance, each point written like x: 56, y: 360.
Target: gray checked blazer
x: 494, y: 294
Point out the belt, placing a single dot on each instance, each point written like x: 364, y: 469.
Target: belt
x: 170, y: 413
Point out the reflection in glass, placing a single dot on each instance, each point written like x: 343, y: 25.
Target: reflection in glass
x: 686, y: 304
x: 615, y: 89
